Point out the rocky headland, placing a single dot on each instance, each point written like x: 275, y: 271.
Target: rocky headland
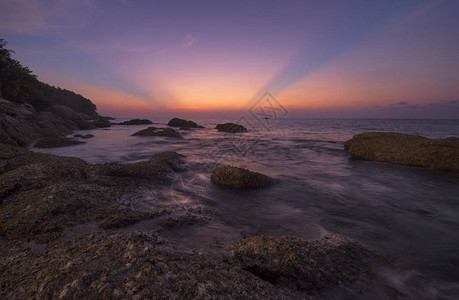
x: 412, y: 150
x: 21, y: 124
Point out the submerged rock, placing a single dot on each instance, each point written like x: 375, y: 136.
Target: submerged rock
x: 154, y: 131
x: 176, y: 122
x: 239, y: 178
x: 51, y: 142
x: 405, y: 149
x: 231, y: 128
x: 136, y: 122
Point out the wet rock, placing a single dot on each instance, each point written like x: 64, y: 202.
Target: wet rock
x: 84, y: 136
x: 102, y: 123
x: 239, y: 178
x: 54, y: 142
x: 8, y: 151
x: 136, y: 122
x: 124, y: 265
x: 172, y: 158
x: 301, y: 264
x: 123, y: 218
x: 231, y: 128
x: 43, y: 194
x: 176, y: 122
x: 153, y: 169
x: 405, y: 149
x: 154, y: 131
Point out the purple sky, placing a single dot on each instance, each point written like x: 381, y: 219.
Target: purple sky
x: 374, y: 59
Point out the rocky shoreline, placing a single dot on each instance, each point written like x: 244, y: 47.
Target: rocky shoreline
x: 63, y: 234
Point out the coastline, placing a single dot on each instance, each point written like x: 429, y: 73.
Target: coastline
x: 57, y: 205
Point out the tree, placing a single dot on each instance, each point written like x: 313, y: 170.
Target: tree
x: 19, y: 84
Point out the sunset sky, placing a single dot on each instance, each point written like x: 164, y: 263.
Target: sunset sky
x: 318, y: 58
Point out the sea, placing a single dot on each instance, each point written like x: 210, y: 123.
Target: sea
x: 408, y: 213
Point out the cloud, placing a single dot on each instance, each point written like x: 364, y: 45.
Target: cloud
x: 399, y: 103
x: 189, y: 41
x: 448, y: 109
x: 23, y: 16
x: 104, y: 47
x: 36, y: 16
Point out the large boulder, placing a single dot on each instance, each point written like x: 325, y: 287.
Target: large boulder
x: 176, y: 122
x: 239, y: 178
x: 412, y: 150
x: 303, y: 265
x: 231, y: 128
x: 68, y: 114
x: 154, y: 131
x: 20, y: 124
x: 136, y: 122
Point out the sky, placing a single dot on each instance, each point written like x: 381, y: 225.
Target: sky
x: 341, y: 58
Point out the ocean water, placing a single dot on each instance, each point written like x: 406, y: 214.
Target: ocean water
x: 409, y: 213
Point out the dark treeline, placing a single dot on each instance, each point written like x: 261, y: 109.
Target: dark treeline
x: 18, y: 84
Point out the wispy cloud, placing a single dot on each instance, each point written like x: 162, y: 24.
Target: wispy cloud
x: 99, y: 46
x: 189, y: 41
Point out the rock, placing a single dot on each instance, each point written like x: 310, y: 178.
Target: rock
x: 43, y: 194
x: 154, y: 131
x: 20, y: 124
x: 84, y: 136
x: 231, y: 128
x: 56, y: 142
x: 309, y: 266
x: 176, y: 122
x: 68, y: 114
x: 126, y: 265
x: 405, y: 149
x: 136, y: 122
x: 172, y: 158
x: 239, y: 178
x: 102, y: 123
x: 155, y: 169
